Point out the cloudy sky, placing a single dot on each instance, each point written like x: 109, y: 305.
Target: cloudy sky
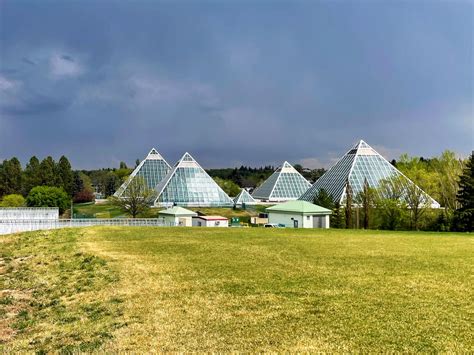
x: 234, y: 82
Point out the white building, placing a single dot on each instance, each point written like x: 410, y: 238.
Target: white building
x: 210, y: 221
x: 299, y: 214
x: 177, y: 216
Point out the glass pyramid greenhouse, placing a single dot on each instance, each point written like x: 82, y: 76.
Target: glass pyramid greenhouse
x: 360, y: 163
x: 244, y: 197
x: 188, y: 184
x: 285, y: 184
x: 152, y: 169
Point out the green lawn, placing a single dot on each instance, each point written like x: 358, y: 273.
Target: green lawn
x: 253, y: 289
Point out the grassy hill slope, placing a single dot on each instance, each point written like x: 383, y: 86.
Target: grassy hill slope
x: 235, y: 289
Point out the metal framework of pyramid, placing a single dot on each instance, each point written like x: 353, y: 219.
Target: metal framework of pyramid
x: 244, y: 197
x: 285, y: 184
x: 152, y: 169
x: 360, y: 163
x: 188, y: 184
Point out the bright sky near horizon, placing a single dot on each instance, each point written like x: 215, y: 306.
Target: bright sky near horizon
x: 234, y: 82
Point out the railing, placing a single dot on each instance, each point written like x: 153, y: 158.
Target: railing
x: 8, y: 226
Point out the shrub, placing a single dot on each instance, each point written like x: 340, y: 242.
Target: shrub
x: 84, y: 195
x: 48, y: 196
x: 13, y: 200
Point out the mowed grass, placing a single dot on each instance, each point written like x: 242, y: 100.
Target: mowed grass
x: 252, y: 289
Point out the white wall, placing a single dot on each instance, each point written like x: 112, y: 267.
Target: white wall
x: 306, y: 221
x: 199, y: 222
x: 285, y: 218
x: 176, y: 220
x: 29, y: 213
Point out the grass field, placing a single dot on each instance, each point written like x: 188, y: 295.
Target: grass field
x: 251, y: 289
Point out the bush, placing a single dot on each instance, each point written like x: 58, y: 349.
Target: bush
x: 13, y: 200
x: 48, y: 196
x: 85, y: 195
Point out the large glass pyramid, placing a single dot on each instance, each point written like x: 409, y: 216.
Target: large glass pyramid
x: 188, y: 184
x: 360, y: 163
x: 152, y: 169
x: 244, y: 197
x: 285, y: 184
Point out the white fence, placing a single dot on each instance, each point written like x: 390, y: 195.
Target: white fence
x: 29, y: 213
x: 8, y: 226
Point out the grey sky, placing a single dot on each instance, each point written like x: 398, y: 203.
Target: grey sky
x: 235, y: 82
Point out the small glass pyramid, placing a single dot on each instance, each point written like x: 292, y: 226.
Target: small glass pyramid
x: 285, y: 184
x: 152, y: 169
x: 360, y: 163
x: 188, y: 184
x: 244, y: 197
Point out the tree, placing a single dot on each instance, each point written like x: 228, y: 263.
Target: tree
x: 82, y: 188
x: 48, y: 172
x: 13, y: 200
x: 365, y: 199
x: 337, y: 217
x: 348, y: 205
x: 298, y: 168
x: 11, y: 179
x: 137, y: 162
x: 449, y: 169
x: 48, y: 196
x: 464, y: 215
x: 417, y: 203
x: 65, y: 174
x: 110, y: 183
x: 136, y: 199
x: 390, y: 201
x: 229, y: 187
x: 323, y: 199
x: 123, y: 165
x: 31, y: 175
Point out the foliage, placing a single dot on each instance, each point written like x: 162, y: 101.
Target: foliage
x: 439, y: 176
x: 65, y: 175
x: 13, y: 200
x: 464, y: 215
x: 48, y: 196
x: 323, y: 199
x: 229, y: 187
x: 136, y: 199
x: 31, y: 175
x: 10, y: 177
x: 391, y: 202
x: 365, y: 201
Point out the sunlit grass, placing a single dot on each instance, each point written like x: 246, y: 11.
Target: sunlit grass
x: 201, y: 289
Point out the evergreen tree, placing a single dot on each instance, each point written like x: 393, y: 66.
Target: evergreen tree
x: 31, y: 175
x: 137, y: 162
x: 464, y: 215
x: 11, y: 176
x: 48, y: 172
x: 323, y: 199
x: 66, y: 175
x: 123, y: 165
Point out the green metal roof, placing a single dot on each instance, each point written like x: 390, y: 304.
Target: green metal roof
x: 178, y: 211
x: 303, y: 207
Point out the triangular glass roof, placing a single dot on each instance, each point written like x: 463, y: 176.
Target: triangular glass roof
x: 188, y: 184
x: 244, y: 197
x: 285, y: 184
x: 152, y: 169
x: 359, y: 163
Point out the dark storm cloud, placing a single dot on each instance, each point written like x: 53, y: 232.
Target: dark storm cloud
x: 234, y: 83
